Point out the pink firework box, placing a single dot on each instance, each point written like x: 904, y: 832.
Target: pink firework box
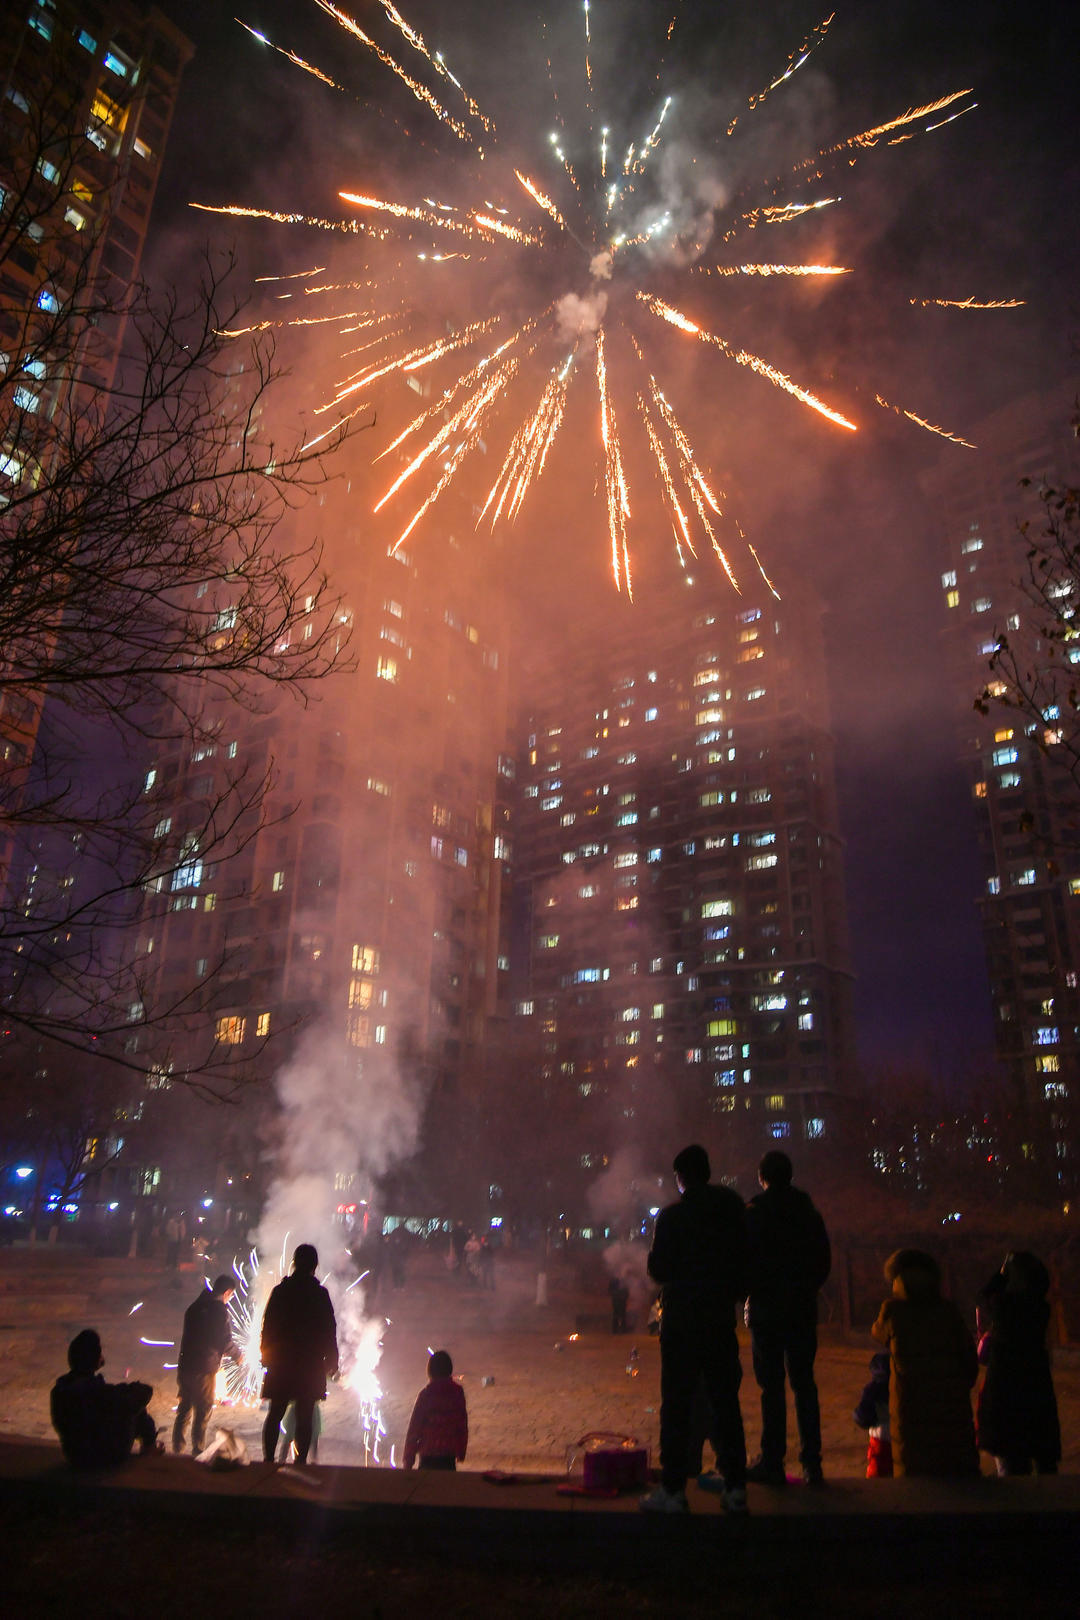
x: 613, y: 1462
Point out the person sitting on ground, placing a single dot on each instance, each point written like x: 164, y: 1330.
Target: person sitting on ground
x: 98, y: 1423
x: 1017, y: 1415
x: 933, y: 1367
x: 438, y: 1431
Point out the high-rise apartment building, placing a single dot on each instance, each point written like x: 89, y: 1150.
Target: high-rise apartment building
x: 367, y: 915
x: 86, y: 98
x: 1024, y: 799
x: 679, y: 865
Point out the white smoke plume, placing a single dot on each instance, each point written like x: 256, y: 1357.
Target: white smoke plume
x: 580, y: 316
x: 335, y: 1122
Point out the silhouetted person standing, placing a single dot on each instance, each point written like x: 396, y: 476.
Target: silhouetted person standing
x: 207, y: 1336
x: 699, y: 1259
x: 790, y: 1259
x: 299, y: 1350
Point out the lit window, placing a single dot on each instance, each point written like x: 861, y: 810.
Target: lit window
x: 143, y: 150
x: 1024, y: 879
x: 779, y: 1129
x: 48, y: 301
x: 1045, y: 1035
x: 815, y: 1128
x: 972, y: 543
x: 949, y: 580
x: 386, y: 668
x: 650, y: 714
x: 718, y: 908
x: 117, y: 64
x: 87, y: 41
x: 806, y: 1021
x: 981, y: 604
x: 361, y: 992
x: 262, y: 1024
x: 758, y: 863
x: 775, y: 1104
x: 548, y: 942
x: 39, y: 19
x: 993, y: 885
x: 365, y: 959
x: 722, y: 1026
x: 105, y: 111
x: 758, y: 692
x: 952, y: 599
x: 277, y: 883
x: 230, y: 1030
x: 1005, y: 756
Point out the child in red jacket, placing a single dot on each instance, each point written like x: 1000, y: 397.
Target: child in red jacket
x: 439, y: 1427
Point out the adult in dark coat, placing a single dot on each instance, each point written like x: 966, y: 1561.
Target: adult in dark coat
x: 98, y: 1423
x: 1017, y: 1415
x: 206, y: 1338
x: 299, y: 1351
x: 932, y: 1369
x: 699, y: 1259
x: 789, y: 1261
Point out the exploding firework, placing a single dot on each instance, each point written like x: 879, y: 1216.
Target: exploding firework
x: 592, y: 191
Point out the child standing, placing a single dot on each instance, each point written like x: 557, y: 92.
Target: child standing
x: 872, y: 1414
x: 1017, y: 1414
x: 933, y: 1367
x: 438, y: 1430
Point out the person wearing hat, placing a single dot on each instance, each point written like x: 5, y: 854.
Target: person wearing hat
x: 206, y: 1338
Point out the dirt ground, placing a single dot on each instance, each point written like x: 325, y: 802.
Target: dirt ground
x: 533, y: 1389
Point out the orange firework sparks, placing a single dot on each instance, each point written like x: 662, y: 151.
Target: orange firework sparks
x: 544, y: 201
x: 920, y: 421
x: 623, y: 234
x: 618, y: 497
x: 415, y: 39
x: 967, y: 303
x: 870, y: 137
x: 291, y: 56
x: 795, y: 62
x: 420, y: 91
x: 743, y: 357
x: 774, y: 270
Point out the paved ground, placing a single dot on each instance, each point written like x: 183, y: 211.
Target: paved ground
x: 169, y: 1537
x: 546, y: 1388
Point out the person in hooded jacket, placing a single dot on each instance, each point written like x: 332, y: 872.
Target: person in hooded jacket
x: 1017, y: 1415
x: 299, y: 1351
x: 698, y: 1257
x: 790, y: 1259
x: 933, y: 1367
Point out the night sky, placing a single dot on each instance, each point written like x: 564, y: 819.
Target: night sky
x: 985, y: 206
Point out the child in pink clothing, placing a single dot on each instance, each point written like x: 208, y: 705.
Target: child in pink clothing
x: 438, y: 1430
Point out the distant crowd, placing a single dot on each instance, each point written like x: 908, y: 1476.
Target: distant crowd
x: 711, y: 1255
